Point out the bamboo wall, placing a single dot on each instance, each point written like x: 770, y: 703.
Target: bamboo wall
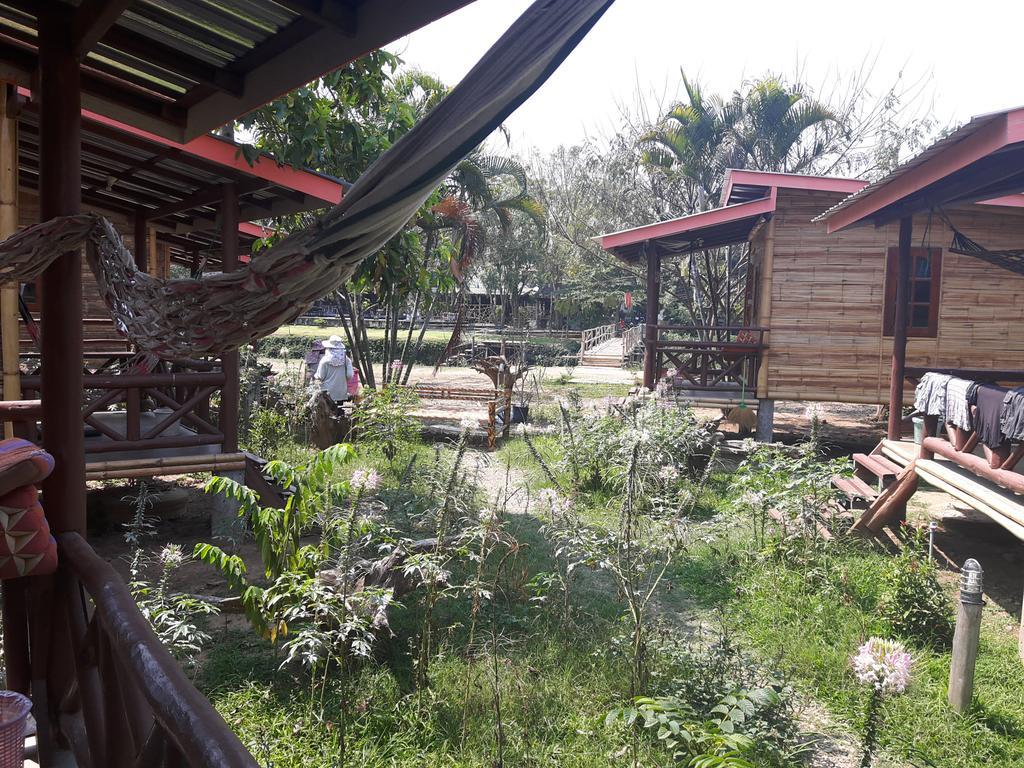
x: 827, y: 298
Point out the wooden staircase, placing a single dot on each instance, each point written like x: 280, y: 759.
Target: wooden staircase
x: 879, y: 487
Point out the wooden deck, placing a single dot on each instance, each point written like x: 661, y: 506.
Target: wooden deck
x: 999, y: 504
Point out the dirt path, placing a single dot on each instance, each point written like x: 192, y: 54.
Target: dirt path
x: 833, y: 744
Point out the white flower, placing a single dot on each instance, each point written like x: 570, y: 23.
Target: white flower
x: 814, y: 412
x: 884, y: 665
x: 284, y: 352
x: 668, y: 473
x: 548, y: 495
x: 468, y: 424
x: 171, y: 556
x: 363, y: 481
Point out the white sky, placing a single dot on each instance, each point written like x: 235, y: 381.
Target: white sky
x: 968, y: 57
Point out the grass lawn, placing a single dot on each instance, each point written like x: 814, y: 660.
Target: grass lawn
x: 519, y: 684
x: 810, y: 621
x: 436, y: 335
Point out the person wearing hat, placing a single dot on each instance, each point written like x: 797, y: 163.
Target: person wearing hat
x: 334, y: 370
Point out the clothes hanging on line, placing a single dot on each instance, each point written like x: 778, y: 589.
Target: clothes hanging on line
x: 988, y: 417
x: 1011, y: 421
x: 958, y: 412
x: 930, y: 394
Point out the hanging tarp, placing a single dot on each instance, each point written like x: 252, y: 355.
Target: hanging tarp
x: 221, y: 312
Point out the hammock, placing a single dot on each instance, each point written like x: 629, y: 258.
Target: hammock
x: 1012, y: 260
x: 221, y: 312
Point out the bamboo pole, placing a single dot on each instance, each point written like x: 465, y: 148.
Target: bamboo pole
x: 764, y: 306
x: 9, y: 329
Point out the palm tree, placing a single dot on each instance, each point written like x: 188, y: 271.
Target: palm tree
x: 769, y: 127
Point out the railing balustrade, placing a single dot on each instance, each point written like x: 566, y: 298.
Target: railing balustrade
x: 126, y: 702
x: 631, y: 338
x: 592, y: 337
x: 710, y: 357
x: 178, y: 391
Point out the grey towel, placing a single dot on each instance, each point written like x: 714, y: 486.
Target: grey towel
x: 930, y: 395
x: 988, y: 418
x: 957, y: 411
x: 1011, y: 420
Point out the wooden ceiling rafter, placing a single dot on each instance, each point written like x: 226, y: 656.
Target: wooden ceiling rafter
x: 93, y: 20
x: 334, y: 14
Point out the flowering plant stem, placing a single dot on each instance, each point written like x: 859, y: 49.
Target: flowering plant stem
x: 871, y: 723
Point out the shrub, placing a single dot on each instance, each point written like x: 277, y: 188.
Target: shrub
x: 913, y: 605
x: 384, y: 420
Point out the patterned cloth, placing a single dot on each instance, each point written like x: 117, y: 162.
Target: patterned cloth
x: 1011, y: 420
x: 930, y: 395
x: 958, y: 413
x: 988, y: 417
x: 26, y: 546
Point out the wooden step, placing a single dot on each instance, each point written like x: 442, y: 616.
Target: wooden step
x: 877, y: 465
x: 854, y: 488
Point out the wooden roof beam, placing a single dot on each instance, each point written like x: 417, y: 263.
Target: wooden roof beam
x: 327, y: 13
x: 207, y: 195
x: 93, y: 20
x: 174, y: 60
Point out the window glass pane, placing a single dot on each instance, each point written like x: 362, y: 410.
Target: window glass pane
x: 919, y: 316
x: 922, y: 292
x: 923, y: 266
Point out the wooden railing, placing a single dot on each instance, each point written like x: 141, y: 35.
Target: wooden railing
x: 632, y: 338
x: 709, y: 358
x: 117, y: 697
x: 592, y: 337
x: 183, y: 390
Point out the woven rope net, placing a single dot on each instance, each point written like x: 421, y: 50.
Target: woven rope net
x: 221, y: 312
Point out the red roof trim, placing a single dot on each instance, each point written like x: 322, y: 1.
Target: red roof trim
x: 735, y: 176
x: 999, y: 131
x: 254, y: 230
x: 686, y: 224
x: 226, y: 153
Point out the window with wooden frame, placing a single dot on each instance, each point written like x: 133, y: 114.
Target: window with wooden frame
x: 925, y: 284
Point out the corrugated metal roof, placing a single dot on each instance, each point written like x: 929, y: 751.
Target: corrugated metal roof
x: 944, y: 145
x: 181, y: 68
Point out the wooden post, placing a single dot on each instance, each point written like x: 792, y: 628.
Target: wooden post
x: 899, y: 332
x: 653, y: 308
x: 9, y: 329
x: 141, y: 252
x: 60, y: 194
x: 763, y: 300
x: 231, y: 394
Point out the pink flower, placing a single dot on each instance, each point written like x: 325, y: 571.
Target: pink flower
x: 883, y: 664
x: 363, y: 481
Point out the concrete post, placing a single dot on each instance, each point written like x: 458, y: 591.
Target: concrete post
x: 224, y: 520
x: 965, y: 638
x: 765, y: 421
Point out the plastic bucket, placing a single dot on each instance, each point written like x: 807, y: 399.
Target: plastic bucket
x: 918, y: 429
x: 14, y: 710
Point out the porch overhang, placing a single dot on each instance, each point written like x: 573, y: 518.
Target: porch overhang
x: 182, y: 69
x: 176, y: 188
x: 981, y: 162
x: 708, y: 229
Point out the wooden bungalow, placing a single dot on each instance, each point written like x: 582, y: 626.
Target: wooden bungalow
x: 819, y: 315
x: 983, y: 160
x: 166, y: 199
x: 104, y: 691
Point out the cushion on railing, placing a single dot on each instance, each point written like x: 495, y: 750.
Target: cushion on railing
x: 26, y: 546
